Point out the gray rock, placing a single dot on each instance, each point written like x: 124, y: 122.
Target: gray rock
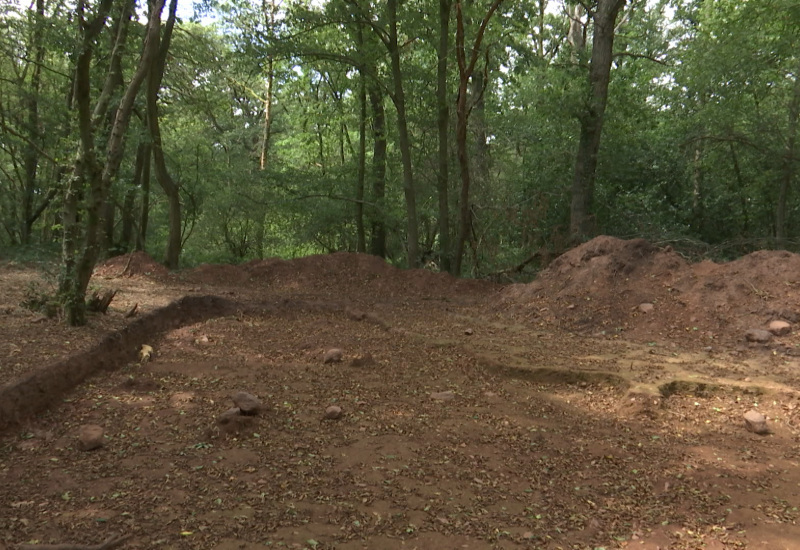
x: 333, y: 412
x: 443, y: 395
x: 646, y: 308
x: 756, y: 422
x: 333, y: 355
x: 247, y: 403
x: 91, y: 437
x: 758, y: 335
x: 780, y: 328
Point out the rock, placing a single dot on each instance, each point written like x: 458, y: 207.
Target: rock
x: 333, y: 355
x: 755, y: 422
x: 645, y: 307
x: 247, y: 403
x: 333, y: 412
x: 757, y: 335
x: 780, y: 328
x: 469, y: 332
x: 91, y: 437
x: 443, y: 395
x: 202, y: 340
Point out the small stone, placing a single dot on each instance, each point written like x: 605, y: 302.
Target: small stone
x: 469, y: 332
x: 443, y: 395
x: 646, y: 307
x: 528, y: 535
x: 247, y: 403
x: 91, y: 437
x: 780, y: 328
x: 758, y: 335
x: 333, y: 355
x: 333, y: 412
x: 755, y: 422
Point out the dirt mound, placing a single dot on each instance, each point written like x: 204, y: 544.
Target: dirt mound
x: 133, y: 264
x: 600, y: 286
x: 337, y: 273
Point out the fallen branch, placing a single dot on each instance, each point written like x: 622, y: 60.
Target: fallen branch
x: 112, y: 542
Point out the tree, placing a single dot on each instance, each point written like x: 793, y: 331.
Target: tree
x: 171, y: 188
x: 466, y: 67
x: 604, y: 19
x: 87, y: 188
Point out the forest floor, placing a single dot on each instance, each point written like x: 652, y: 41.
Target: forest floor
x: 600, y: 406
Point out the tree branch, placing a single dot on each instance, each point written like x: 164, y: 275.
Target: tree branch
x: 642, y: 56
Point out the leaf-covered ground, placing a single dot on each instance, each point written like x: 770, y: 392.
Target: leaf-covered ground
x: 474, y: 416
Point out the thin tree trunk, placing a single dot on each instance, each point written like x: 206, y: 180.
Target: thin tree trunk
x: 465, y: 70
x: 170, y: 187
x: 789, y: 165
x: 697, y: 188
x: 361, y: 238
x: 591, y: 122
x: 269, y: 16
x: 443, y: 127
x: 740, y: 189
x: 377, y: 245
x: 34, y: 130
x: 144, y: 212
x: 478, y: 117
x: 399, y: 99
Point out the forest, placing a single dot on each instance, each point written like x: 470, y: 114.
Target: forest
x: 476, y: 137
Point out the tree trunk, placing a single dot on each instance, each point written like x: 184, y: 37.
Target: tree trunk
x: 266, y: 134
x: 31, y: 161
x: 144, y: 211
x: 698, y: 216
x: 377, y: 245
x: 443, y: 127
x: 361, y: 238
x: 399, y: 99
x: 465, y: 71
x: 591, y: 121
x: 129, y: 203
x: 170, y: 187
x: 789, y: 164
x: 480, y: 159
x: 81, y: 223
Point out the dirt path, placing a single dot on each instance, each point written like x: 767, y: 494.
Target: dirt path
x: 465, y: 425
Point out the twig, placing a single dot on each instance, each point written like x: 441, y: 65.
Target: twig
x: 127, y: 265
x: 110, y: 543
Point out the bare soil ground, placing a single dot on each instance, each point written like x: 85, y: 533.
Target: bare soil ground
x: 550, y: 415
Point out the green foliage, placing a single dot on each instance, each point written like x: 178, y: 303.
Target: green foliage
x: 694, y: 144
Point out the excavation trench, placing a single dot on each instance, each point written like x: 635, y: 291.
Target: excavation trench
x: 35, y: 391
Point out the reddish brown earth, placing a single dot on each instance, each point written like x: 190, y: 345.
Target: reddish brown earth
x: 564, y: 417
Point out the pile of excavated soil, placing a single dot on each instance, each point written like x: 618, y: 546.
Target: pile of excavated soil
x: 600, y: 286
x: 129, y: 265
x: 340, y: 273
